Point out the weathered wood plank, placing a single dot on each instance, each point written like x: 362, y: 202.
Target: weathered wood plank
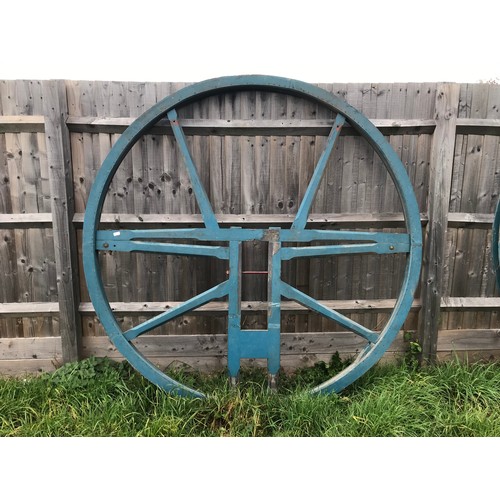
x: 9, y: 327
x: 469, y: 340
x: 61, y: 184
x: 34, y: 309
x: 25, y: 177
x: 388, y: 126
x: 478, y: 173
x: 31, y: 348
x: 22, y: 367
x: 461, y: 303
x: 29, y: 309
x: 21, y: 123
x: 469, y: 220
x: 278, y: 127
x: 441, y: 166
x: 361, y: 220
x: 206, y: 364
x: 13, y: 154
x: 26, y: 220
x: 5, y: 184
x: 180, y: 347
x: 478, y: 126
x: 156, y: 346
x: 9, y: 189
x: 217, y: 307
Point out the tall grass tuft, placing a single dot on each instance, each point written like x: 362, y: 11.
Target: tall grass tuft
x: 98, y: 397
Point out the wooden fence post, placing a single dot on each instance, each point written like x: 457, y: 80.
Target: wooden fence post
x: 440, y: 173
x: 62, y: 203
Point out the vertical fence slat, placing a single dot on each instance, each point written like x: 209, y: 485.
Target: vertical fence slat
x: 441, y: 169
x: 62, y: 202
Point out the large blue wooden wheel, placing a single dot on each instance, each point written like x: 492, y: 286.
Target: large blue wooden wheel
x: 495, y: 246
x: 225, y: 243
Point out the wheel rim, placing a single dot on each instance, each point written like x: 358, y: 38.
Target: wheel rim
x: 410, y: 243
x: 495, y: 247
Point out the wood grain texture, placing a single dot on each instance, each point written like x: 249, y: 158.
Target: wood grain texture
x: 255, y: 152
x: 441, y: 167
x: 208, y: 352
x: 61, y: 188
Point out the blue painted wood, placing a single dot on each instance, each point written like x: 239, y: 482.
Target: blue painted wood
x: 255, y: 344
x: 240, y: 342
x: 303, y: 211
x: 344, y: 249
x: 307, y: 301
x: 216, y: 292
x: 201, y: 196
x: 158, y: 247
x: 245, y: 343
x: 234, y: 310
x: 201, y: 234
x: 332, y: 235
x: 239, y: 234
x: 495, y: 246
x: 274, y: 304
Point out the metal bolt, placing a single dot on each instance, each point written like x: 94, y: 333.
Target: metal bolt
x: 391, y: 247
x: 106, y: 245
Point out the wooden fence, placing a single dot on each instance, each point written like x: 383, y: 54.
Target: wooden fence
x: 255, y: 151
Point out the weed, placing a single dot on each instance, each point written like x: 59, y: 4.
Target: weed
x: 80, y: 374
x: 319, y: 373
x: 413, y: 350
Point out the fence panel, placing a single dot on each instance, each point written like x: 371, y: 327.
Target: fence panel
x: 55, y: 135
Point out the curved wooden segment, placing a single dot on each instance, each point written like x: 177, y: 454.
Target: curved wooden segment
x: 495, y: 246
x: 373, y: 352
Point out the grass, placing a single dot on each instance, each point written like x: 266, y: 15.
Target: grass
x: 98, y: 397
